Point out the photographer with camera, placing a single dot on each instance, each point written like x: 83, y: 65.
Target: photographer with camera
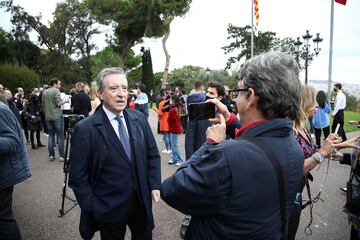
x: 243, y: 188
x: 33, y: 111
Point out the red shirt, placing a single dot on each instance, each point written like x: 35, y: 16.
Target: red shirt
x: 174, y: 122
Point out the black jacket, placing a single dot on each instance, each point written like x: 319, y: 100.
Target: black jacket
x: 81, y: 104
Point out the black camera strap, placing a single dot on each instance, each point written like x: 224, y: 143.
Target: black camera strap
x: 280, y: 176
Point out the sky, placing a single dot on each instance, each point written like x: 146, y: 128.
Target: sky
x: 197, y: 38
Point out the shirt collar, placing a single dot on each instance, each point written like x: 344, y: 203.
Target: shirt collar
x: 111, y: 116
x: 240, y: 131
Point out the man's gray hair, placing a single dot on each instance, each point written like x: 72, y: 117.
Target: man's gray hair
x: 274, y: 76
x: 105, y: 72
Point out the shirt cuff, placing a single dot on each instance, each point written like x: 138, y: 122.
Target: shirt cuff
x: 231, y: 119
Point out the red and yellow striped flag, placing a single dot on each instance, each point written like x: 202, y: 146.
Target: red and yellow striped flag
x: 257, y: 16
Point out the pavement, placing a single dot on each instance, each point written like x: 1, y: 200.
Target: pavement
x: 37, y: 201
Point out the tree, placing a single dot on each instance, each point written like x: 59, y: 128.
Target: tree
x: 185, y: 77
x: 109, y: 58
x: 134, y: 19
x: 18, y: 76
x: 147, y: 76
x: 69, y: 33
x: 241, y: 41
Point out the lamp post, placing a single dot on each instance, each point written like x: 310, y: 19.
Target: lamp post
x: 305, y: 53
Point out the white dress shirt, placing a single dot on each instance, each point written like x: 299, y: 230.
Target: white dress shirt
x: 114, y: 122
x: 340, y: 102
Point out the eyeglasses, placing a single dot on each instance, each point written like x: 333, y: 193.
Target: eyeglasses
x: 235, y: 92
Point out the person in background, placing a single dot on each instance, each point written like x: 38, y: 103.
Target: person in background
x: 65, y: 108
x: 338, y: 113
x: 54, y: 118
x: 11, y: 102
x: 184, y: 110
x: 81, y: 103
x: 321, y: 119
x: 163, y: 115
x: 43, y: 118
x: 151, y: 98
x: 312, y: 155
x: 2, y: 89
x: 142, y: 101
x: 14, y: 169
x: 95, y: 100
x: 352, y: 206
x: 115, y: 165
x: 33, y: 109
x: 21, y: 102
x: 175, y: 129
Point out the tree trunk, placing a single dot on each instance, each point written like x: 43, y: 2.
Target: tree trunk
x: 167, y: 59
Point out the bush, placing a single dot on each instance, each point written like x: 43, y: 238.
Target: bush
x: 13, y: 76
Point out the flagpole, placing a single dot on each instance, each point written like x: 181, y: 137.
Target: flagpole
x: 331, y: 49
x: 252, y: 28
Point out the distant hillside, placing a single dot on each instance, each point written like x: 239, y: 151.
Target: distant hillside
x: 352, y: 88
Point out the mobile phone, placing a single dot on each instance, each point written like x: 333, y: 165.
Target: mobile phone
x: 201, y: 111
x: 337, y: 128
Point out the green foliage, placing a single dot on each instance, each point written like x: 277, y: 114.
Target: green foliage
x: 5, y: 48
x: 56, y: 65
x: 147, y: 76
x: 240, y: 45
x: 352, y: 103
x: 109, y: 58
x: 134, y: 19
x: 14, y: 76
x: 349, y: 116
x: 185, y: 77
x: 69, y: 32
x: 134, y: 77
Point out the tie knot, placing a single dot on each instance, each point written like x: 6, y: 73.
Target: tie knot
x: 119, y: 118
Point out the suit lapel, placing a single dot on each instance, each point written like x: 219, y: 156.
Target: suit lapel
x: 113, y: 138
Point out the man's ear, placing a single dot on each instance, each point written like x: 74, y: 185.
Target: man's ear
x: 252, y: 98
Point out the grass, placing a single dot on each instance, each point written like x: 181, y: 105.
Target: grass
x: 349, y: 116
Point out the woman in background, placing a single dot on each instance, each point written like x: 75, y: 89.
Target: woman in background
x: 33, y: 111
x: 175, y: 129
x: 312, y: 155
x: 321, y: 119
x: 95, y: 101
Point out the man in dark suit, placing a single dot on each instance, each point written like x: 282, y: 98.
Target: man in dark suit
x: 113, y: 182
x: 81, y: 102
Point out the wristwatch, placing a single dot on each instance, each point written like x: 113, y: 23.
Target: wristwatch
x: 318, y: 157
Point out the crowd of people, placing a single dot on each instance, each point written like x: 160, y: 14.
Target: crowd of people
x: 256, y: 147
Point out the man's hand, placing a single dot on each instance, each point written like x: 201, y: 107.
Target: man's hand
x: 221, y: 108
x: 217, y: 132
x: 155, y: 194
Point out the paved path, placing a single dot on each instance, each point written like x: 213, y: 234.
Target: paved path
x: 38, y: 199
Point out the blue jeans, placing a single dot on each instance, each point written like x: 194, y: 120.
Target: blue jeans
x: 175, y: 151
x: 57, y: 127
x: 167, y: 140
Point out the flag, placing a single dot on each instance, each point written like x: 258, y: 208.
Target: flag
x: 257, y: 16
x: 343, y: 2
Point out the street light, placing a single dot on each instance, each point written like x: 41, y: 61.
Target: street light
x: 305, y: 53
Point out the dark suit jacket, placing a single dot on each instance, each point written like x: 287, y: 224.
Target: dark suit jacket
x: 89, y: 156
x: 81, y: 103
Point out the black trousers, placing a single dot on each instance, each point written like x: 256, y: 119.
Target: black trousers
x: 136, y: 220
x: 37, y: 137
x: 326, y: 132
x: 9, y: 229
x: 339, y: 118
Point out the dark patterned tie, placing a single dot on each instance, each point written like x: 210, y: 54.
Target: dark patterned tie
x: 124, y: 138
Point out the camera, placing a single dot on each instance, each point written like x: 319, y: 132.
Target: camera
x: 72, y: 119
